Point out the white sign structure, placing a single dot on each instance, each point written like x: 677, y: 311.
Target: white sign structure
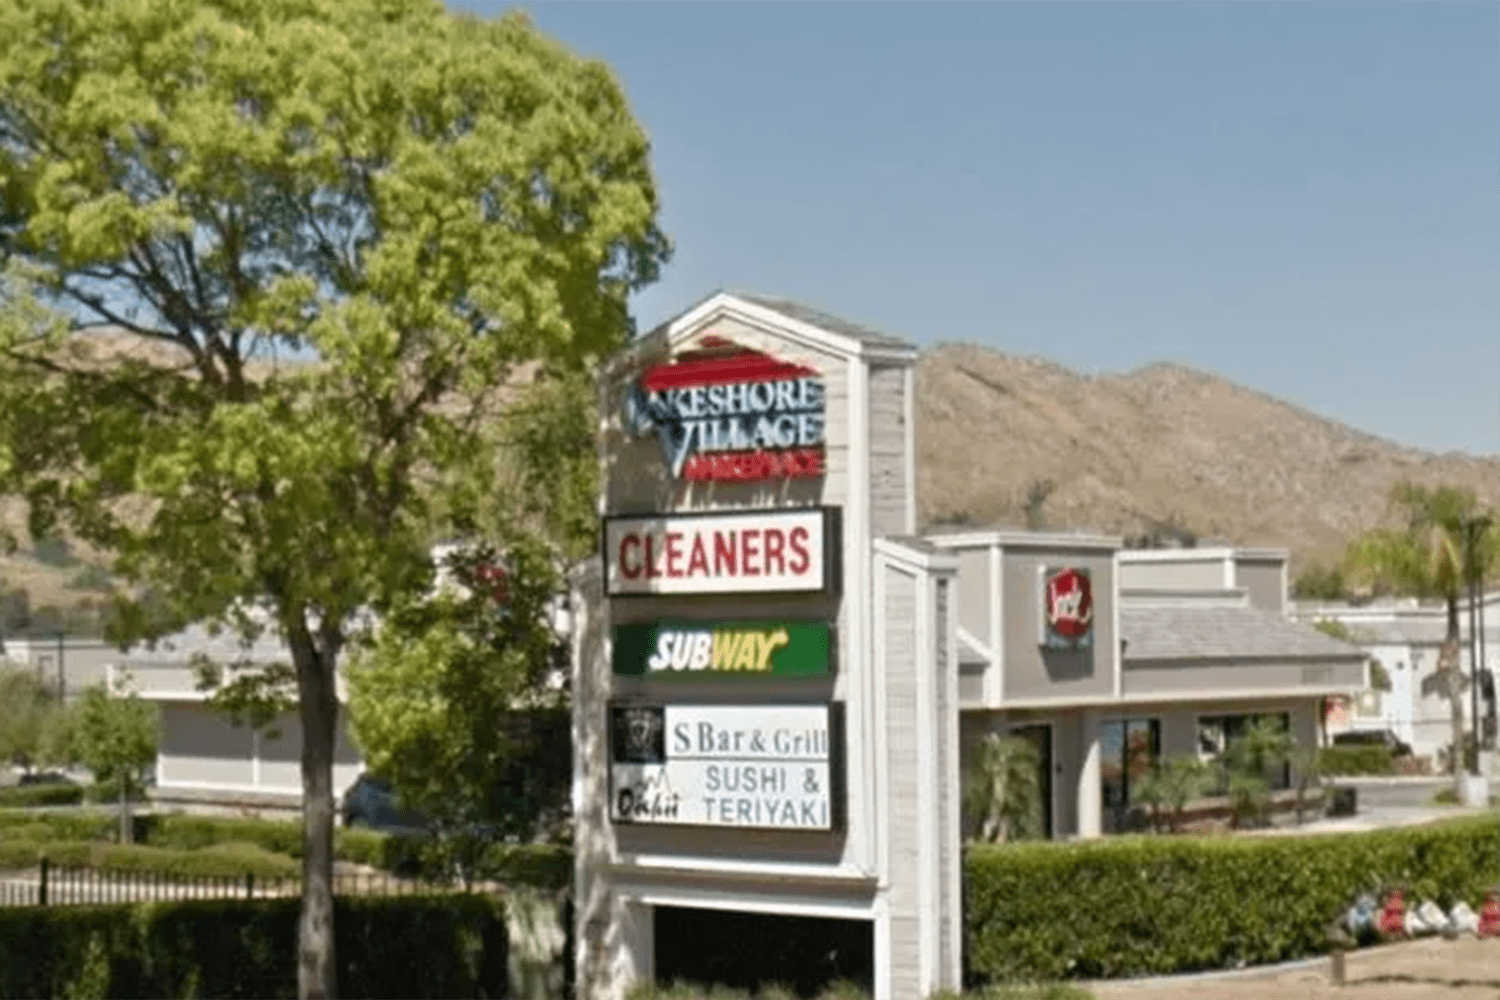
x: 750, y: 552
x: 729, y: 766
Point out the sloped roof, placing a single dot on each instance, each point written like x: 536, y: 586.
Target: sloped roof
x: 1207, y: 633
x: 823, y: 320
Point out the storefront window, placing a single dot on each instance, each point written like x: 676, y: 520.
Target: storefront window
x: 1129, y: 750
x: 1217, y: 732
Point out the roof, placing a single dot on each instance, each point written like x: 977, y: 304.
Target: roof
x: 818, y: 318
x: 1166, y: 632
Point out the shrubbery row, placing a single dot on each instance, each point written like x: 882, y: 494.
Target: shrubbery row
x: 409, y: 946
x: 1356, y: 760
x: 209, y: 846
x: 1149, y: 906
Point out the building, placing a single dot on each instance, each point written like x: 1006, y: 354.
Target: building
x: 751, y: 417
x: 1182, y: 649
x: 67, y: 664
x: 1404, y: 636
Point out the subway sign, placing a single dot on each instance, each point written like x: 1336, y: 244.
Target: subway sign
x: 723, y: 649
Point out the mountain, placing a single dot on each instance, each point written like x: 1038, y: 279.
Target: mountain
x: 1164, y: 450
x: 1161, y: 450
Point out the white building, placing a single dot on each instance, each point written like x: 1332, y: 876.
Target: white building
x: 1405, y: 636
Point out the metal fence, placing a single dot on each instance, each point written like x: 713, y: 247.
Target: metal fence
x: 51, y: 885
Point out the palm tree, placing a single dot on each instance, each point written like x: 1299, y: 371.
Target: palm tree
x: 1002, y: 790
x: 1427, y: 555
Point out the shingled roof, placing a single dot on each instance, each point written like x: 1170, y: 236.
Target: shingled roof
x: 823, y: 320
x: 1207, y: 633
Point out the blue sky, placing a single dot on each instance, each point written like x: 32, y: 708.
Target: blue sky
x: 1302, y: 197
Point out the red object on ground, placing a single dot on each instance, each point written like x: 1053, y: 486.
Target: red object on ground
x: 1489, y: 917
x: 1392, y: 919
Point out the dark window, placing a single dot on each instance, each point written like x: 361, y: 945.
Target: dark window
x: 1129, y: 750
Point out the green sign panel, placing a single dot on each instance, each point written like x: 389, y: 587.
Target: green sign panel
x: 743, y: 649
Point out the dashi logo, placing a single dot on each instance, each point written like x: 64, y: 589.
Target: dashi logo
x: 1069, y: 602
x: 723, y: 412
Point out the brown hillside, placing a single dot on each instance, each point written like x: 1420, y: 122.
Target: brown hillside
x: 1161, y: 444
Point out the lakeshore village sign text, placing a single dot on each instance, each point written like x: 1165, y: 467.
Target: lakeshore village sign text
x: 765, y: 715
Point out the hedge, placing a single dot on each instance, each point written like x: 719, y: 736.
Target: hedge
x: 1356, y: 760
x: 410, y: 946
x: 1154, y: 905
x: 231, y: 860
x: 26, y: 796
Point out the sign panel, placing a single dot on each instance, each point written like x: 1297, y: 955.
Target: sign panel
x: 1067, y: 608
x: 725, y: 413
x: 721, y: 649
x: 750, y: 552
x: 764, y: 767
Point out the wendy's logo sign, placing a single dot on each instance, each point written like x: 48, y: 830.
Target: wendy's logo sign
x: 1068, y: 608
x: 722, y: 412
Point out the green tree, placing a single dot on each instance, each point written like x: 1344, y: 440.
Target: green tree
x: 1169, y: 787
x: 1002, y: 790
x: 1250, y: 758
x: 1320, y: 582
x: 1425, y: 554
x: 33, y: 722
x: 115, y: 736
x: 325, y: 235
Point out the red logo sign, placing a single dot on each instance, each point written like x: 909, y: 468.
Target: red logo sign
x: 1070, y: 607
x: 722, y: 412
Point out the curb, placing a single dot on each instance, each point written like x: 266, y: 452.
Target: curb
x: 1252, y: 971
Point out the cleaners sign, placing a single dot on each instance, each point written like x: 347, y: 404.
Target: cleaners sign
x: 744, y: 649
x: 749, y: 552
x: 726, y: 413
x: 734, y: 766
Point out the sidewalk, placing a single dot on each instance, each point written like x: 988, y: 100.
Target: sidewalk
x: 1428, y: 969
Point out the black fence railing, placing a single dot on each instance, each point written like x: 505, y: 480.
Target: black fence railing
x: 51, y: 885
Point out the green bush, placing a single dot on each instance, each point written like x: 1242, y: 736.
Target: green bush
x: 98, y: 794
x: 27, y: 796
x: 191, y: 833
x: 362, y: 847
x: 1356, y: 760
x: 412, y: 946
x: 1150, y: 906
x: 233, y: 860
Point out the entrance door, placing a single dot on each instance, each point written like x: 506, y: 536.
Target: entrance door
x: 1040, y: 736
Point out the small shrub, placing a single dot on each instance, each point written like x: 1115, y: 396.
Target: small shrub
x: 26, y: 796
x: 218, y: 861
x: 1356, y: 760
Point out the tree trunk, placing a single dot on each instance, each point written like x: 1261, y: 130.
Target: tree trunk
x: 1448, y: 662
x: 318, y: 709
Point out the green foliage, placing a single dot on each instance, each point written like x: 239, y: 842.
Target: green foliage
x: 115, y: 736
x: 228, y: 861
x: 58, y: 825
x: 1380, y: 679
x: 16, y: 797
x: 240, y: 948
x: 425, y: 203
x: 1357, y: 760
x: 1002, y: 797
x: 1167, y: 789
x: 1318, y: 582
x: 1150, y: 905
x: 1335, y: 629
x: 1249, y: 759
x: 34, y: 725
x: 434, y: 701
